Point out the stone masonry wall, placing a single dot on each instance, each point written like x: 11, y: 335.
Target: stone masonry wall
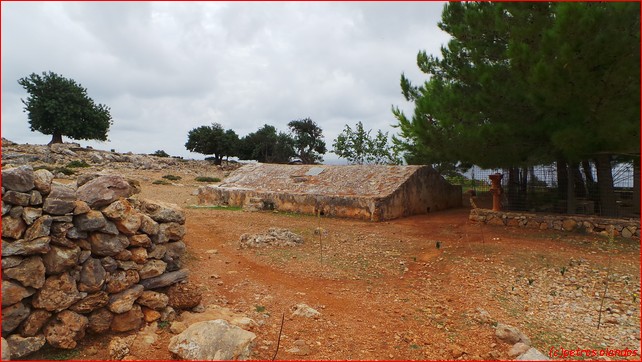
x: 627, y: 228
x: 83, y: 258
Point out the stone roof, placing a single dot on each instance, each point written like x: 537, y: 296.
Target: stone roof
x: 348, y: 180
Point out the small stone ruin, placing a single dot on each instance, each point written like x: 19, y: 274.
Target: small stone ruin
x: 83, y: 258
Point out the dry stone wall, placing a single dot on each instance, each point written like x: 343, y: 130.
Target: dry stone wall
x: 627, y: 228
x: 83, y: 258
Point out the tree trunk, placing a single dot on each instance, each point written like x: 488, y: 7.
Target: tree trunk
x: 513, y: 189
x: 580, y: 186
x: 562, y: 183
x: 56, y: 137
x: 591, y: 187
x: 571, y: 206
x: 608, y: 206
x: 636, y: 185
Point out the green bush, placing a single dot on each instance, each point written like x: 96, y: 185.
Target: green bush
x: 160, y: 153
x: 207, y: 179
x: 78, y: 163
x: 172, y: 177
x: 63, y: 170
x: 161, y: 182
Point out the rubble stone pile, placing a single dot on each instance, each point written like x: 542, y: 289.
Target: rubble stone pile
x: 83, y: 258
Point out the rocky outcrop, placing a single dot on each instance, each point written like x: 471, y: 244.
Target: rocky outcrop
x: 77, y: 259
x: 274, y: 237
x: 213, y: 340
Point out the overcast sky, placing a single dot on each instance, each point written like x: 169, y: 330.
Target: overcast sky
x: 165, y: 68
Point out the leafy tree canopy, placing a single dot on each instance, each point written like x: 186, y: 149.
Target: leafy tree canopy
x: 213, y: 140
x: 308, y: 140
x: 59, y: 107
x: 359, y: 148
x: 266, y: 145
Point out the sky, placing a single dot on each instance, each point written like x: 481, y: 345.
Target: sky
x: 165, y: 68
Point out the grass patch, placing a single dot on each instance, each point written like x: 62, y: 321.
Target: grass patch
x: 172, y: 177
x: 163, y: 324
x: 161, y: 182
x: 207, y: 179
x: 62, y: 355
x: 78, y: 164
x: 259, y: 309
x: 56, y: 170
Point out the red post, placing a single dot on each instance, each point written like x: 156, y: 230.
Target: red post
x: 496, y: 190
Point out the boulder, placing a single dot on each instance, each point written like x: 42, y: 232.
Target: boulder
x: 124, y: 301
x: 19, y: 179
x: 42, y: 181
x: 13, y: 227
x: 58, y: 293
x: 90, y: 221
x: 21, y: 346
x: 59, y: 259
x: 118, y: 210
x: 66, y: 329
x: 121, y: 280
x: 12, y: 316
x: 518, y: 349
x: 304, y: 310
x: 30, y: 214
x: 139, y: 255
x: 510, y: 334
x: 130, y: 224
x: 92, y: 276
x: 185, y: 295
x: 213, y: 340
x: 169, y: 232
x: 30, y: 272
x: 153, y: 300
x: 533, y: 355
x: 150, y: 315
x: 107, y: 244
x: 23, y: 247
x: 81, y: 207
x: 140, y: 240
x: 100, y: 321
x: 165, y: 279
x: 60, y: 200
x: 148, y: 225
x: 12, y: 292
x: 104, y: 190
x: 128, y: 321
x: 34, y: 322
x: 91, y: 302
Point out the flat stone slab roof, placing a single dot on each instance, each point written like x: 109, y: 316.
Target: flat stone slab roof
x: 348, y: 180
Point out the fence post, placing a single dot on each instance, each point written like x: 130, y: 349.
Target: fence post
x: 496, y: 190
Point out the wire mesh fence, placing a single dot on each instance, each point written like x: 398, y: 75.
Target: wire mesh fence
x: 547, y: 189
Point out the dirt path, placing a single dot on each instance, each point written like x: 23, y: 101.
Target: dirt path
x: 405, y: 289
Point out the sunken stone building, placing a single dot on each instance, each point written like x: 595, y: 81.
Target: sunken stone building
x: 368, y: 192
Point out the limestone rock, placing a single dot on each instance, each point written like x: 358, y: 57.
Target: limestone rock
x: 91, y: 302
x: 510, y: 334
x: 173, y: 255
x: 165, y: 279
x: 59, y: 259
x: 66, y: 329
x: 11, y: 262
x: 30, y: 272
x: 130, y: 224
x: 148, y: 225
x: 518, y: 349
x: 157, y: 251
x: 139, y: 255
x: 274, y: 237
x: 13, y: 315
x: 81, y: 207
x: 13, y: 227
x: 153, y: 300
x: 184, y: 295
x: 34, y: 322
x: 36, y: 198
x: 124, y: 255
x: 304, y: 310
x: 119, y: 347
x: 121, y: 280
x: 100, y: 321
x: 109, y: 264
x: 163, y: 212
x: 140, y: 240
x: 300, y: 348
x: 104, y: 190
x: 177, y: 327
x: 17, y: 198
x: 169, y: 232
x: 6, y: 354
x: 569, y: 224
x: 42, y: 181
x: 152, y: 268
x: 124, y: 301
x: 213, y: 340
x: 130, y: 320
x: 23, y: 247
x: 60, y: 200
x: 92, y: 276
x: 30, y: 214
x: 533, y: 355
x: 59, y: 292
x: 21, y: 346
x: 107, y: 244
x: 41, y: 227
x: 90, y: 221
x: 12, y: 293
x: 150, y: 315
x: 19, y: 179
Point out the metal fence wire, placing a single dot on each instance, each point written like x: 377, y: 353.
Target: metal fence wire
x: 538, y: 189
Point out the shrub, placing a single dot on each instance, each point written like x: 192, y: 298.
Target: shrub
x: 63, y: 170
x: 207, y: 179
x: 161, y: 182
x: 78, y: 163
x: 160, y: 153
x: 172, y: 177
